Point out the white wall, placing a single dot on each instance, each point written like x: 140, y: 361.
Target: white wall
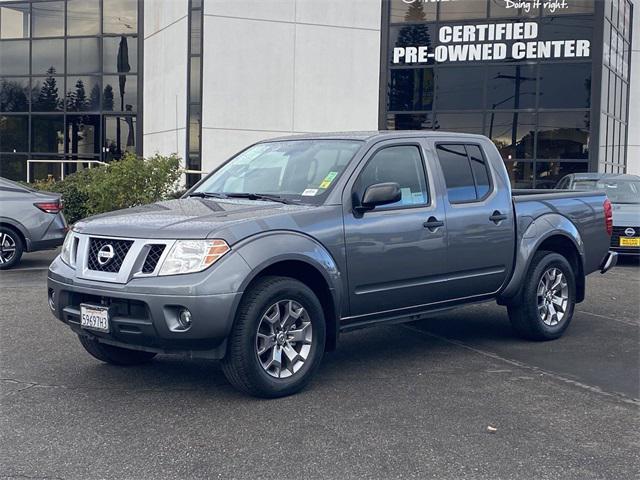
x: 633, y: 152
x: 165, y: 77
x: 286, y: 66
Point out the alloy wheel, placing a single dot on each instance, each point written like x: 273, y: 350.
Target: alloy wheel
x: 552, y: 296
x: 283, y: 340
x: 7, y: 248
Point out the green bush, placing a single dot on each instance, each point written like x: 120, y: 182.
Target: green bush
x: 124, y: 183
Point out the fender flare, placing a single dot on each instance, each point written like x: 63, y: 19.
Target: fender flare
x: 541, y: 229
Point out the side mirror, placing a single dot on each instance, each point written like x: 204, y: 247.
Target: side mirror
x: 379, y: 194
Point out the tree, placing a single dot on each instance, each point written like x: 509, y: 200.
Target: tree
x: 415, y: 13
x: 77, y: 100
x: 13, y: 97
x: 107, y: 97
x: 48, y: 99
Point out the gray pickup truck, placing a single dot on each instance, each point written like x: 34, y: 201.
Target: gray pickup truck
x: 292, y: 241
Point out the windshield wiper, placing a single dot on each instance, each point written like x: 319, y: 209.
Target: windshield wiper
x: 207, y: 195
x: 259, y: 196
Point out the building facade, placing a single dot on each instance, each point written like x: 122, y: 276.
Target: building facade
x: 548, y: 82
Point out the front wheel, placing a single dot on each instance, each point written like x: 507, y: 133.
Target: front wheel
x: 545, y: 306
x: 277, y: 340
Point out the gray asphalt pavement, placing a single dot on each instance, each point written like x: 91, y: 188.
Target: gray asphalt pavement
x: 411, y: 401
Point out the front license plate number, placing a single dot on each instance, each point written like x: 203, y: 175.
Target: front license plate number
x: 629, y: 242
x: 94, y: 318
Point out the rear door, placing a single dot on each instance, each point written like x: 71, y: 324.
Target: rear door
x: 395, y: 258
x: 479, y: 220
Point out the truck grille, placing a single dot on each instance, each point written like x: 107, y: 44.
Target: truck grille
x: 113, y: 264
x: 151, y: 262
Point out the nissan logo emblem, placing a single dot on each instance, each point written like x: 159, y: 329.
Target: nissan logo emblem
x: 105, y: 254
x: 629, y: 232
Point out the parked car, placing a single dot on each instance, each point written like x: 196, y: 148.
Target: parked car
x: 292, y: 241
x: 624, y: 193
x: 30, y: 220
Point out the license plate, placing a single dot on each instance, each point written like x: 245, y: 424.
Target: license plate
x: 629, y: 242
x: 94, y: 317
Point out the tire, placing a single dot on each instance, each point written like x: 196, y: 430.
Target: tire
x: 262, y: 312
x: 115, y: 355
x: 530, y: 314
x: 9, y: 239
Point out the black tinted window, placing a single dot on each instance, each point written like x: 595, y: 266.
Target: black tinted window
x: 465, y: 172
x: 402, y: 165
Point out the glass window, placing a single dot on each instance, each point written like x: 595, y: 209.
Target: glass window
x: 47, y: 94
x: 83, y: 134
x: 511, y: 86
x: 402, y: 11
x: 520, y: 174
x: 412, y: 36
x: 120, y: 16
x: 195, y: 91
x: 572, y: 7
x: 563, y: 135
x: 14, y: 21
x: 14, y: 57
x: 457, y: 173
x: 411, y: 89
x: 548, y: 174
x: 13, y: 167
x: 502, y: 9
x: 47, y: 57
x: 119, y: 136
x: 83, y: 94
x: 48, y: 19
x: 567, y: 28
x: 120, y: 93
x: 14, y: 131
x: 402, y: 165
x: 83, y: 55
x: 120, y: 54
x: 47, y: 133
x: 14, y: 94
x: 459, y: 122
x: 196, y: 31
x: 479, y: 170
x: 83, y: 17
x: 564, y: 86
x: 195, y: 119
x: 512, y: 133
x: 460, y: 88
x: 414, y: 121
x: 465, y: 10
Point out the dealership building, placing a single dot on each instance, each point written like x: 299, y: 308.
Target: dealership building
x: 554, y: 83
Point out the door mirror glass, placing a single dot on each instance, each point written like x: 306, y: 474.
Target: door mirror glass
x: 380, y: 194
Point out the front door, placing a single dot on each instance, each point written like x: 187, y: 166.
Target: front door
x: 396, y: 254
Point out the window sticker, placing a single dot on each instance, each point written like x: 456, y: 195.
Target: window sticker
x: 310, y: 192
x: 328, y: 179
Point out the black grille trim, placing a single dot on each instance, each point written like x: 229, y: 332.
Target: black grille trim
x: 120, y: 250
x: 153, y: 257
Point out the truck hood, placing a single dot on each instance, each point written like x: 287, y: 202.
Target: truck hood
x: 626, y: 215
x: 189, y: 218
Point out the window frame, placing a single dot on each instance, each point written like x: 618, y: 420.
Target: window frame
x: 475, y: 184
x: 371, y: 155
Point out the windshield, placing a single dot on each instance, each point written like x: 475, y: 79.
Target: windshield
x: 618, y: 191
x: 297, y: 170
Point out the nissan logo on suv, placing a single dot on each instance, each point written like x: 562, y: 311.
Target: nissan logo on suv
x: 630, y: 232
x: 105, y: 254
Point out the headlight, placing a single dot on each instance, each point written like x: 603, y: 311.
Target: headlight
x: 66, y: 254
x: 189, y: 256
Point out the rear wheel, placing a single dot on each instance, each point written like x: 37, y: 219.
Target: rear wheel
x: 544, y: 309
x: 11, y: 248
x: 114, y: 355
x: 277, y: 340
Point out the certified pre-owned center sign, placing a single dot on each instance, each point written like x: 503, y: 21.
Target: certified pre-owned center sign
x: 491, y: 41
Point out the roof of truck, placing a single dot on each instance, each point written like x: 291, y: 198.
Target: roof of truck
x: 375, y: 134
x: 602, y: 176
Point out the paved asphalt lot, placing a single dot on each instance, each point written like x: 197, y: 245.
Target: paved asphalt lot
x: 408, y: 401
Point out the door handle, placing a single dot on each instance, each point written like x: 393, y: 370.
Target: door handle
x: 497, y: 217
x: 433, y: 224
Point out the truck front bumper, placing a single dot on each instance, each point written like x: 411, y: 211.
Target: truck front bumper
x: 143, y: 320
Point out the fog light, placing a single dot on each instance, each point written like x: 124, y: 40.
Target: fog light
x: 184, y: 318
x: 52, y: 300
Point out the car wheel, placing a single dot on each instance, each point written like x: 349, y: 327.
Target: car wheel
x: 544, y: 309
x: 278, y: 338
x: 11, y: 248
x: 114, y: 355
